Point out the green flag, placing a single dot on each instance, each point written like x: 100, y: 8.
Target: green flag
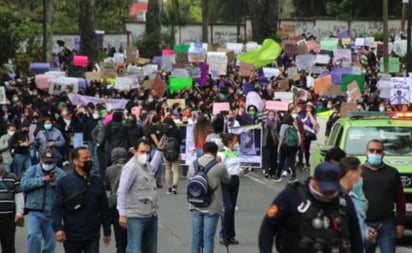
x: 267, y: 53
x: 178, y: 84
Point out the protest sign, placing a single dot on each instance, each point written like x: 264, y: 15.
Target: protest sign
x: 284, y: 96
x: 400, y: 93
x: 177, y: 84
x: 110, y: 103
x: 231, y: 57
x: 319, y: 69
x: 270, y: 72
x: 334, y: 91
x: 131, y: 54
x: 123, y: 84
x: 182, y: 59
x: 349, y: 78
x: 217, y: 63
x: 369, y: 41
x: 198, y: 52
x: 342, y: 55
x: 149, y: 69
x: 296, y: 77
x: 90, y: 76
x: 359, y: 42
x: 118, y: 58
x: 168, y: 60
x: 303, y: 49
x: 322, y: 83
x: 346, y: 108
x: 290, y: 48
x: 108, y: 73
x: 276, y: 105
x: 132, y: 69
x: 194, y: 72
x: 171, y: 102
x: 80, y: 60
x: 3, y: 98
x: 309, y: 82
x: 58, y: 85
x: 305, y: 62
x: 400, y: 48
x: 299, y: 94
x: 42, y: 81
x: 353, y: 91
x: 237, y: 48
x: 337, y: 74
x: 329, y: 45
x: 346, y: 41
x: 220, y: 107
x: 159, y: 86
x: 180, y: 73
x: 284, y: 85
x: 37, y: 68
x: 245, y: 69
x: 322, y: 59
x: 250, y: 46
x: 384, y: 86
x: 313, y: 46
x: 181, y: 48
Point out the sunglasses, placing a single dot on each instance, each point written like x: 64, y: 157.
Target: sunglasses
x: 373, y: 150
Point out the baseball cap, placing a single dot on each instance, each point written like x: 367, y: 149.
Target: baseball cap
x: 47, y: 156
x: 327, y: 175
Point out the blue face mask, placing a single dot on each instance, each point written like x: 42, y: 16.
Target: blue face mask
x: 374, y: 159
x: 47, y: 126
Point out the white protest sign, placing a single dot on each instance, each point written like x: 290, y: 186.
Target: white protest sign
x: 322, y: 58
x: 56, y: 74
x: 384, y: 86
x: 305, y: 62
x: 237, y: 48
x: 179, y: 72
x: 133, y: 69
x: 271, y: 72
x: 292, y: 71
x: 400, y: 91
x: 251, y: 46
x: 217, y: 63
x: 167, y: 62
x: 194, y: 72
x: 359, y: 42
x: 284, y: 96
x: 198, y: 52
x: 309, y: 82
x: 319, y: 69
x: 123, y: 83
x: 342, y: 55
x: 356, y: 70
x: 400, y: 47
x: 149, y: 69
x: 58, y: 85
x: 369, y: 41
x: 118, y: 58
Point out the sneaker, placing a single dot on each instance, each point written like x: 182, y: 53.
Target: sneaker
x: 233, y: 241
x: 169, y: 191
x: 293, y: 179
x: 277, y: 179
x: 285, y: 173
x: 174, y: 190
x: 265, y: 172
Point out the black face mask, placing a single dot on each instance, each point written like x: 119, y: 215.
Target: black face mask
x: 88, y: 165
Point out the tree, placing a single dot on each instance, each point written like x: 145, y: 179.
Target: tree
x: 88, y: 44
x: 263, y: 16
x: 205, y: 21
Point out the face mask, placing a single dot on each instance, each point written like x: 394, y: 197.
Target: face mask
x: 87, y: 165
x: 381, y: 109
x: 15, y: 99
x: 294, y: 115
x: 236, y: 146
x: 47, y: 167
x: 329, y: 106
x: 321, y: 197
x: 10, y: 133
x: 142, y: 159
x: 64, y: 113
x: 374, y: 159
x: 95, y: 115
x: 47, y: 126
x: 271, y: 118
x: 251, y: 113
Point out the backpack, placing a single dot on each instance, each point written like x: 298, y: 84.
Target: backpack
x: 199, y: 193
x: 171, y: 150
x: 291, y: 138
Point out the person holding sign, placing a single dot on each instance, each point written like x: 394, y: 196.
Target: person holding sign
x: 269, y: 143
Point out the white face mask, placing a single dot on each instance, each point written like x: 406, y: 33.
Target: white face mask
x: 381, y: 109
x: 142, y: 159
x: 294, y: 115
x: 48, y: 167
x: 95, y: 115
x: 236, y: 146
x: 10, y: 132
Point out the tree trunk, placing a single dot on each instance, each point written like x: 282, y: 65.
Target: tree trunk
x: 153, y: 21
x: 205, y: 21
x: 264, y: 17
x: 88, y: 44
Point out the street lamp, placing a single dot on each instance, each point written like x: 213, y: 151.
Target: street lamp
x: 44, y: 31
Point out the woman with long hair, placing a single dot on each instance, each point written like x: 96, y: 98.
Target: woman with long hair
x: 201, y: 130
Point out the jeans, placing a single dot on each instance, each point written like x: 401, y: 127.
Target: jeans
x: 142, y: 235
x: 81, y: 246
x: 203, y: 231
x: 93, y: 149
x: 159, y: 169
x: 199, y: 152
x: 7, y: 235
x: 21, y: 163
x: 7, y: 167
x: 386, y: 239
x: 230, y: 192
x: 40, y: 227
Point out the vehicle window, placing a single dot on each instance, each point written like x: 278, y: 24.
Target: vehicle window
x: 397, y: 140
x: 334, y: 135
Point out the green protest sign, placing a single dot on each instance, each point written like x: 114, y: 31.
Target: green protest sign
x: 329, y: 45
x: 348, y: 78
x: 177, y: 84
x: 393, y: 64
x: 181, y: 48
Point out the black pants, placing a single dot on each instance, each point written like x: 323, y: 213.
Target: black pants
x: 306, y: 143
x: 7, y: 234
x: 120, y: 234
x: 230, y: 192
x: 91, y: 246
x: 287, y: 154
x: 270, y: 156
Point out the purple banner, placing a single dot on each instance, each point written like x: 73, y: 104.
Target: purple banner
x: 337, y: 74
x: 110, y: 103
x: 247, y: 87
x: 343, y: 33
x: 204, y: 69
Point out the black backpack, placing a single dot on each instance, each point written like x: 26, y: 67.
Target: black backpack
x: 171, y: 150
x: 199, y: 193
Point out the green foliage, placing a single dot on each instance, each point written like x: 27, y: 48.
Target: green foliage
x: 152, y: 44
x: 341, y: 9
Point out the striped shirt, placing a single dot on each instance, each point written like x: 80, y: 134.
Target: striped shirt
x: 10, y: 194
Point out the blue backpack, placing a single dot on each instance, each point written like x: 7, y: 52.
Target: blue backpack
x: 199, y: 193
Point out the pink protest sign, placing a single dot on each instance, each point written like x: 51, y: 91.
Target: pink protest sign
x: 277, y: 105
x: 42, y: 81
x: 80, y: 60
x: 220, y: 107
x: 167, y: 52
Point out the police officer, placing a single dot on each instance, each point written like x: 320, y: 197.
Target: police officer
x: 312, y: 217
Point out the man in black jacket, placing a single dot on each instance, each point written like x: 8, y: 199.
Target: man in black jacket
x: 81, y: 207
x: 312, y: 217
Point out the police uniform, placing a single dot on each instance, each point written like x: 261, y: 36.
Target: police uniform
x: 302, y: 223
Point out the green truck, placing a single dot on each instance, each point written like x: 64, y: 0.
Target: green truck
x: 395, y: 130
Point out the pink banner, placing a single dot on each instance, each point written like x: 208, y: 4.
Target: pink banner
x: 220, y: 107
x: 277, y: 105
x: 167, y: 52
x: 80, y: 60
x: 42, y: 81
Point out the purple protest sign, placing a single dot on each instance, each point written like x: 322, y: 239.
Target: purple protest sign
x: 262, y: 78
x: 343, y: 33
x: 157, y: 60
x: 248, y: 87
x: 76, y: 45
x: 204, y: 69
x: 337, y: 74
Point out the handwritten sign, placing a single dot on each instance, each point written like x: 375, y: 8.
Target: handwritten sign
x: 323, y: 59
x: 342, y: 55
x: 217, y: 63
x: 334, y: 91
x: 182, y: 59
x: 346, y: 108
x: 181, y: 73
x: 284, y: 96
x: 131, y: 54
x: 237, y: 48
x: 181, y: 102
x: 322, y: 83
x: 277, y: 105
x: 305, y: 62
x: 353, y: 91
x: 270, y: 72
x: 245, y: 69
x: 220, y: 107
x: 123, y: 83
x: 90, y: 76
